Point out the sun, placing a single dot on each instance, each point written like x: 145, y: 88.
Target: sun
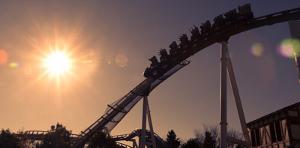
x: 57, y: 63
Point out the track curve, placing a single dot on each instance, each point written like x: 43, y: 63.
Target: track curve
x: 118, y: 110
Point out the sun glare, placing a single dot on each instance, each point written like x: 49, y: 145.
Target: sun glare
x: 57, y: 63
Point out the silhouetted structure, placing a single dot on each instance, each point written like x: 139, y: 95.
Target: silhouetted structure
x: 278, y: 129
x: 103, y: 140
x: 224, y: 26
x: 220, y: 30
x: 185, y: 48
x: 160, y: 143
x: 58, y: 136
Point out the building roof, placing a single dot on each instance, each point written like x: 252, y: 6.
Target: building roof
x: 279, y: 114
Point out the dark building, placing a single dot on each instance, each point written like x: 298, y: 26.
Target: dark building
x: 279, y: 129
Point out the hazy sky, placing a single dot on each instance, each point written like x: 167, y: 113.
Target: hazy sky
x: 111, y: 42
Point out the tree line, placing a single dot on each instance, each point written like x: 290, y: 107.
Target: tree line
x: 59, y: 137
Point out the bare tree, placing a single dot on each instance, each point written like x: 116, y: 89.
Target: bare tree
x: 213, y: 130
x: 215, y: 135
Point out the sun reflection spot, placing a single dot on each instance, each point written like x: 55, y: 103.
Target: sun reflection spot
x: 3, y: 57
x: 13, y: 65
x: 289, y: 47
x: 257, y: 49
x: 121, y: 60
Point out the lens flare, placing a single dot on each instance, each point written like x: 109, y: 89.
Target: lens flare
x: 289, y: 48
x: 121, y: 60
x: 57, y: 63
x: 61, y: 57
x: 13, y: 65
x: 3, y: 57
x: 257, y: 49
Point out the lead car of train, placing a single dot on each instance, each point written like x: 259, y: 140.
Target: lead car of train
x: 179, y: 52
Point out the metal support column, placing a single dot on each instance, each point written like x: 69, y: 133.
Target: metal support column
x: 146, y: 114
x: 237, y: 98
x: 151, y: 126
x: 223, y: 94
x: 142, y: 139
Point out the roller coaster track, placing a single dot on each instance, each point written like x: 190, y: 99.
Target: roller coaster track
x: 34, y: 135
x: 137, y: 133
x: 117, y: 110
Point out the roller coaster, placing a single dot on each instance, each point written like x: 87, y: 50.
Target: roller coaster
x: 223, y: 27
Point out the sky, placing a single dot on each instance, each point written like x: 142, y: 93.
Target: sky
x: 111, y: 41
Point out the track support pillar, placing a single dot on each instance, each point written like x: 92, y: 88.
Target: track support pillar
x: 237, y: 98
x: 223, y: 94
x: 226, y: 66
x: 146, y: 114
